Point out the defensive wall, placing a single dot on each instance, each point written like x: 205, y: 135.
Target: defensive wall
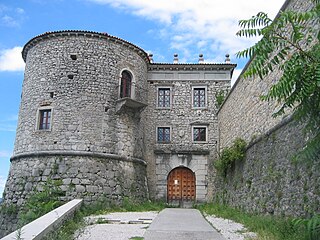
x: 268, y: 180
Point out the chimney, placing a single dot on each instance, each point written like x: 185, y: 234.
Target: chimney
x: 227, y: 58
x: 201, y: 59
x: 175, y: 58
x: 150, y: 56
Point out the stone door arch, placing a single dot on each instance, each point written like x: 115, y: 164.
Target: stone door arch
x: 181, y: 185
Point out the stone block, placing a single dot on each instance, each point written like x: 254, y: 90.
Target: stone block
x: 80, y: 189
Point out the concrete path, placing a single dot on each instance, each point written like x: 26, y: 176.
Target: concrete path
x: 178, y: 223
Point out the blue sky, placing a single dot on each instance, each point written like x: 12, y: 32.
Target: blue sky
x: 163, y: 27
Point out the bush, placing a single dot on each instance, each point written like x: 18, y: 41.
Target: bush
x: 230, y: 155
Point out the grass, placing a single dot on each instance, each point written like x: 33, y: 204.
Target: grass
x: 267, y: 227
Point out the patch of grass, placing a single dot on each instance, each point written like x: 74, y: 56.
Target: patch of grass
x: 101, y: 221
x: 267, y: 227
x: 136, y: 238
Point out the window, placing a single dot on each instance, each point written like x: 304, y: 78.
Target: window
x: 45, y: 119
x: 199, y: 97
x: 125, y: 86
x: 163, y: 134
x: 164, y: 97
x: 199, y: 134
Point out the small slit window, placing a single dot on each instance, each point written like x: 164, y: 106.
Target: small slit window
x: 125, y: 86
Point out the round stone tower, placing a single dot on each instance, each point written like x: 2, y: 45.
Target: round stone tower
x: 81, y: 118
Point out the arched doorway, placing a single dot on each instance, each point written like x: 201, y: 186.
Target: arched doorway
x: 181, y: 185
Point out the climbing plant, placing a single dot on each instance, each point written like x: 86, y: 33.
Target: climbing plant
x: 230, y: 155
x: 289, y: 44
x: 220, y: 96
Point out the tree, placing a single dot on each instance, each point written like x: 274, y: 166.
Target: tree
x: 290, y: 44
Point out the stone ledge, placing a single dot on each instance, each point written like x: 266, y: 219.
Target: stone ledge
x: 47, y: 223
x: 126, y: 102
x: 182, y: 152
x: 286, y: 120
x: 78, y: 153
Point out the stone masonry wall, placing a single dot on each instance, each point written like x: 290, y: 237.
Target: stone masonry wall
x: 269, y: 181
x: 91, y: 177
x: 243, y: 114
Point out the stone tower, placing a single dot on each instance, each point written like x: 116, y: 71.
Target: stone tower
x: 79, y: 120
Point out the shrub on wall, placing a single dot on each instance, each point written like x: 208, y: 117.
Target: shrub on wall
x: 230, y: 155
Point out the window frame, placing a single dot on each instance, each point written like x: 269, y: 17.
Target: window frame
x: 206, y: 133
x: 206, y: 96
x: 157, y: 134
x: 132, y: 84
x: 39, y: 119
x: 170, y: 96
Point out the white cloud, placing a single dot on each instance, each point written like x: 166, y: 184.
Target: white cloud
x: 9, y: 21
x: 5, y: 154
x: 11, y: 17
x: 202, y: 25
x: 20, y: 10
x: 11, y: 59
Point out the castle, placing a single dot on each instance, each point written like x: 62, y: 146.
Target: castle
x: 98, y: 115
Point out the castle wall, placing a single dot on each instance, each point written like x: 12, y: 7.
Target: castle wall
x: 88, y: 176
x: 243, y: 114
x: 268, y: 180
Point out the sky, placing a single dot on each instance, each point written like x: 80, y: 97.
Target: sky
x: 161, y: 27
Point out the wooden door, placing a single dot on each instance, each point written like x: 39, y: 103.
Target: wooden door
x: 181, y: 185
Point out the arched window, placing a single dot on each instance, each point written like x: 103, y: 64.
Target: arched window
x: 125, y: 87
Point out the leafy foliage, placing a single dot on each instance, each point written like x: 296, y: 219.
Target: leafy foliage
x: 312, y: 226
x: 220, y: 96
x: 230, y: 155
x: 289, y: 44
x: 42, y: 202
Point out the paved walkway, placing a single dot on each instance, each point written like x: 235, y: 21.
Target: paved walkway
x: 177, y: 223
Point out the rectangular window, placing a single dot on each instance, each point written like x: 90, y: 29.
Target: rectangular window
x: 163, y: 134
x: 199, y: 134
x: 164, y: 97
x: 199, y: 97
x: 44, y: 119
